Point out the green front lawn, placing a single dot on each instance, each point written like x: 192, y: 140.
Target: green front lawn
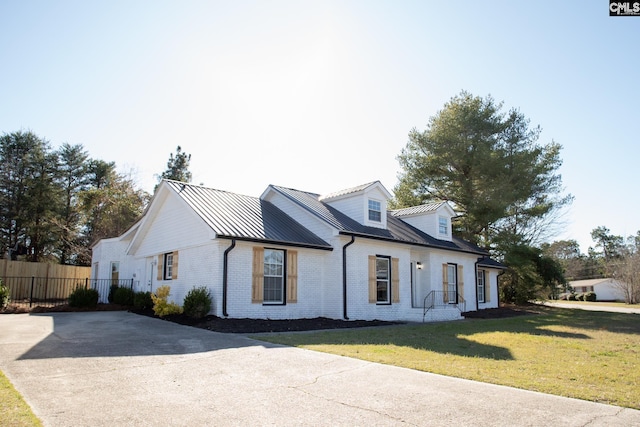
x: 575, y: 353
x: 14, y: 412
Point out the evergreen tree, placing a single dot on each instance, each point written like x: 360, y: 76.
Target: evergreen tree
x: 178, y: 167
x: 489, y: 164
x: 503, y: 183
x: 27, y: 194
x: 73, y: 179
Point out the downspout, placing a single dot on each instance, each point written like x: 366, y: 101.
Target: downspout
x: 225, y: 262
x: 344, y: 277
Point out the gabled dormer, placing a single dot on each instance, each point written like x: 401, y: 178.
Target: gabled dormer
x: 365, y: 203
x: 431, y: 218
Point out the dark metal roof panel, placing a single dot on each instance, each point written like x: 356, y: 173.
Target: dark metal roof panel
x: 427, y: 207
x: 491, y: 263
x: 311, y: 202
x: 397, y: 230
x: 346, y: 191
x: 234, y: 215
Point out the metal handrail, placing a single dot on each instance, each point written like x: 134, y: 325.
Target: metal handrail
x: 440, y: 299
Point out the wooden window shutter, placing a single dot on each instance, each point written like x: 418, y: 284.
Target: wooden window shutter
x: 373, y: 296
x: 487, y: 287
x: 292, y: 276
x: 257, y: 281
x: 174, y: 268
x: 160, y: 260
x: 461, y: 282
x: 445, y: 283
x: 395, y: 280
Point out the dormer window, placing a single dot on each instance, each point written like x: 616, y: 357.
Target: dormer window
x: 443, y: 226
x: 375, y: 211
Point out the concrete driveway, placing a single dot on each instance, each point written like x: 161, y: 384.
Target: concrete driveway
x: 121, y: 369
x: 631, y: 309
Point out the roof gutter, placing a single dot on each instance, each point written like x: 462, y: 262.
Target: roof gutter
x: 225, y: 274
x: 344, y: 277
x: 409, y: 242
x: 276, y: 242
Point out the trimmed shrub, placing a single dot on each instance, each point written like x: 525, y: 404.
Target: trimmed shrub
x: 5, y: 295
x: 142, y: 300
x: 571, y: 297
x: 84, y: 298
x: 161, y: 307
x: 590, y: 296
x: 123, y: 296
x: 197, y: 303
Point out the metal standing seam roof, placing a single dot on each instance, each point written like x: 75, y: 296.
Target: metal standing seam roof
x: 427, y: 207
x: 347, y: 191
x: 397, y: 230
x: 233, y: 215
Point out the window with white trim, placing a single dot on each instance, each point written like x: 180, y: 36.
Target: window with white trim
x: 115, y: 272
x: 443, y: 225
x: 375, y: 211
x: 383, y: 280
x: 452, y: 283
x: 273, y: 276
x: 481, y: 285
x: 168, y: 266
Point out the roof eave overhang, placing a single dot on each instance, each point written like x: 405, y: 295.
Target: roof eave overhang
x: 408, y: 242
x: 276, y: 242
x: 497, y: 267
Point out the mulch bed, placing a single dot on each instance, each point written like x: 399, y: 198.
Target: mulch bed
x: 249, y: 326
x: 504, y: 311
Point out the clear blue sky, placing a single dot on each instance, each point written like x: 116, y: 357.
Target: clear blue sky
x: 320, y: 95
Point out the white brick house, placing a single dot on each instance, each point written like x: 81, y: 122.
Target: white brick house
x: 292, y: 254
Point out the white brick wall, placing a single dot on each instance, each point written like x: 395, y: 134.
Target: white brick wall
x: 197, y: 266
x: 310, y: 285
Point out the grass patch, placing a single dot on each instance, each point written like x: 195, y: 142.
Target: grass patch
x: 14, y: 411
x: 575, y: 353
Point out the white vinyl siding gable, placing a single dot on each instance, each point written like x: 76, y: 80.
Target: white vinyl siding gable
x: 356, y: 205
x: 161, y: 234
x: 433, y: 223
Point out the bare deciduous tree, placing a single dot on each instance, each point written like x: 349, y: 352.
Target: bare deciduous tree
x: 627, y: 277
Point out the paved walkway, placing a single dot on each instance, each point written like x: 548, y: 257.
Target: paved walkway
x: 121, y: 369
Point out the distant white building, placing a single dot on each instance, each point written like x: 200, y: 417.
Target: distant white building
x: 605, y: 289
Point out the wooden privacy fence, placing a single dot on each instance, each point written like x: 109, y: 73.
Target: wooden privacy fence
x: 40, y: 282
x: 10, y: 268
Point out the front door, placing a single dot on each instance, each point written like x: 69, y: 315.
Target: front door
x: 417, y: 296
x: 115, y: 273
x: 150, y: 272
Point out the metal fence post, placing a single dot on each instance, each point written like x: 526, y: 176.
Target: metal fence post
x: 33, y: 279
